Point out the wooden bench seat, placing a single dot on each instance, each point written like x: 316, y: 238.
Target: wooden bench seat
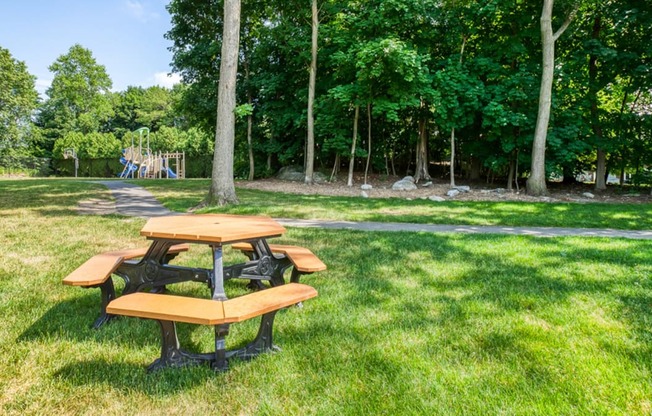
x: 99, y: 268
x: 168, y: 309
x: 304, y: 260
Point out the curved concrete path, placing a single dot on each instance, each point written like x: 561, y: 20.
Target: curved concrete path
x: 135, y: 201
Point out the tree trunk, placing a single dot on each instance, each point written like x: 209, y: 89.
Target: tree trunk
x: 452, y: 169
x: 349, y: 181
x: 536, y: 183
x: 601, y: 171
x: 250, y: 145
x: 310, y: 148
x: 510, y: 175
x: 601, y: 165
x: 336, y: 167
x: 222, y: 190
x: 475, y: 168
x: 366, y: 169
x: 421, y: 168
x: 250, y: 122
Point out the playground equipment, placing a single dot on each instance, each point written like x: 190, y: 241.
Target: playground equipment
x: 140, y: 162
x: 70, y: 153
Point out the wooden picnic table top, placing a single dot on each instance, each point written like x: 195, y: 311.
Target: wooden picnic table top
x: 211, y: 228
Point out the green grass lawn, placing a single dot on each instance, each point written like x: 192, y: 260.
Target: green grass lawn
x: 405, y: 323
x: 182, y: 195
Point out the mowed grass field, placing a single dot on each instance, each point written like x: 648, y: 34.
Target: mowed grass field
x: 405, y: 323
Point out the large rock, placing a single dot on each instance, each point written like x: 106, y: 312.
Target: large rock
x: 295, y: 173
x: 452, y: 193
x: 405, y: 184
x: 291, y: 173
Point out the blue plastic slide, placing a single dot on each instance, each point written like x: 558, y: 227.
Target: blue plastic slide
x: 171, y: 174
x: 130, y: 167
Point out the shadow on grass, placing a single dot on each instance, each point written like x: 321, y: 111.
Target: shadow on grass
x: 73, y: 320
x: 133, y: 377
x: 36, y: 193
x: 409, y: 279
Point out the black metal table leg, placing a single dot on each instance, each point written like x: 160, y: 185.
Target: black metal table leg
x: 261, y: 344
x: 220, y: 362
x: 107, y: 294
x: 171, y: 353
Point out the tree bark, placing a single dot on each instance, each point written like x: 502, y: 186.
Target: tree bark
x: 310, y: 145
x: 601, y: 165
x: 601, y: 170
x: 222, y: 190
x: 252, y: 166
x: 349, y: 181
x: 475, y: 168
x: 250, y: 122
x: 336, y: 167
x: 536, y: 183
x: 421, y: 168
x: 510, y: 175
x: 366, y: 169
x: 452, y: 168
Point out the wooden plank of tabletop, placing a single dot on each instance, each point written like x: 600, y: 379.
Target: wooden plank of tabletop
x: 219, y: 228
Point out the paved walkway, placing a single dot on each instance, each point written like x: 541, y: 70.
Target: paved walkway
x: 135, y: 201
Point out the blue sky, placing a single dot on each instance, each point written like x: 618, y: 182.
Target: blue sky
x: 126, y: 36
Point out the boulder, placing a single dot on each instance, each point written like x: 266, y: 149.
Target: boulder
x: 296, y: 174
x: 291, y: 173
x: 366, y: 187
x: 436, y: 198
x: 452, y: 193
x: 364, y: 194
x: 404, y: 185
x: 588, y: 195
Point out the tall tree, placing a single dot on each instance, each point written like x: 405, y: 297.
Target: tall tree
x: 356, y: 117
x: 536, y: 183
x: 222, y: 191
x: 18, y: 99
x: 79, y: 94
x: 310, y: 142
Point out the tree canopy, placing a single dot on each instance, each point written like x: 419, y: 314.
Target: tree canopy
x: 422, y: 83
x: 18, y: 99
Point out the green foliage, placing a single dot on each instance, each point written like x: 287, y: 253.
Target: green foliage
x: 79, y: 95
x: 18, y: 99
x: 402, y: 59
x: 91, y: 145
x: 244, y: 110
x: 152, y: 107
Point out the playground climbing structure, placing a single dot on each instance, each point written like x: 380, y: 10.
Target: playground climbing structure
x: 140, y: 162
